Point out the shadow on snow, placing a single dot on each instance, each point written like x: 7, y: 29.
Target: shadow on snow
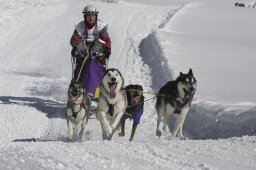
x: 52, y: 109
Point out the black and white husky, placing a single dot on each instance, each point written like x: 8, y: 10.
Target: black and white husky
x: 77, y: 109
x: 112, y: 102
x: 175, y: 98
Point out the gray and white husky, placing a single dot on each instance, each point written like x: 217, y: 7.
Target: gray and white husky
x: 175, y: 98
x: 112, y: 102
x: 77, y: 109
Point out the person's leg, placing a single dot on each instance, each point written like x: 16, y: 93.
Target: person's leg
x: 96, y: 73
x: 93, y: 78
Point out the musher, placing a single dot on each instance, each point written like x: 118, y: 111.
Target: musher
x: 91, y: 49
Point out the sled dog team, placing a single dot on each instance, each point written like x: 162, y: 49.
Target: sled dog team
x: 117, y: 103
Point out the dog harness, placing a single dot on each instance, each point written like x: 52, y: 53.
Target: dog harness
x: 82, y: 106
x: 110, y: 109
x: 179, y: 102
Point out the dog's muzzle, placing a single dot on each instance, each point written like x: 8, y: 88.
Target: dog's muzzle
x: 75, y: 93
x: 192, y: 89
x: 135, y: 98
x: 189, y: 92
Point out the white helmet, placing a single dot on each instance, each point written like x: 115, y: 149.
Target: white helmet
x: 90, y: 9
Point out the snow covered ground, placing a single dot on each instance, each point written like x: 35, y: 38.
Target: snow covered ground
x: 152, y: 41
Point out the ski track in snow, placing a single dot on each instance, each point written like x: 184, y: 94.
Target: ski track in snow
x: 37, y: 106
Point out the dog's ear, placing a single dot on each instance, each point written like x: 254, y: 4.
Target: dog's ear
x: 72, y: 82
x: 140, y: 87
x: 123, y: 85
x: 190, y: 71
x: 122, y: 81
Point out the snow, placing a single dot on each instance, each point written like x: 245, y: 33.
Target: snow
x: 152, y: 42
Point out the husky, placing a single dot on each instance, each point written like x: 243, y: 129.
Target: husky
x: 77, y: 109
x: 112, y: 102
x: 174, y: 98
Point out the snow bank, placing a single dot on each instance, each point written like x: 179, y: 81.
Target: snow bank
x: 206, y: 120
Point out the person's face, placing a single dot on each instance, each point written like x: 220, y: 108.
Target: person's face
x: 90, y: 18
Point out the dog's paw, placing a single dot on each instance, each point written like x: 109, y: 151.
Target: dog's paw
x: 131, y: 140
x: 158, y: 133
x: 80, y: 137
x: 172, y: 137
x: 182, y: 138
x: 70, y: 135
x: 121, y: 134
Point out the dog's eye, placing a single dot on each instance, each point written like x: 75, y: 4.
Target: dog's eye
x: 135, y: 94
x: 116, y: 75
x: 109, y: 75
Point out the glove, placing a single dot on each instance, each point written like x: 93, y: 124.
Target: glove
x: 101, y: 56
x: 82, y: 49
x: 74, y: 52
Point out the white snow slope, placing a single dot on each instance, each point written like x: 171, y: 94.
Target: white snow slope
x: 152, y: 41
